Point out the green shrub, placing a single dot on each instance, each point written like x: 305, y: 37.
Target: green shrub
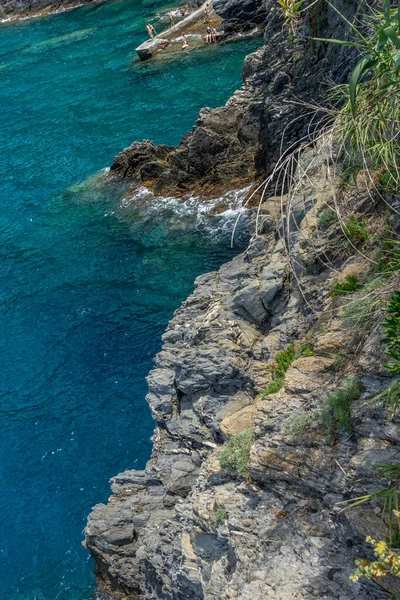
x: 336, y: 415
x: 220, y: 515
x: 236, y: 454
x: 327, y: 218
x: 274, y: 386
x: 368, y: 114
x: 391, y: 329
x: 356, y: 230
x: 305, y: 349
x: 350, y: 285
x: 282, y: 361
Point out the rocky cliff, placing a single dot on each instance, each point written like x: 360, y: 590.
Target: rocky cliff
x: 16, y: 8
x: 186, y: 527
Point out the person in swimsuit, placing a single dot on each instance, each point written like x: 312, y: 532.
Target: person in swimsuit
x: 209, y: 35
x: 207, y: 14
x: 185, y: 45
x: 151, y: 31
x: 171, y: 18
x: 214, y: 35
x: 182, y: 11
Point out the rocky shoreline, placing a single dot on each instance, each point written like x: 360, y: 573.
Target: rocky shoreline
x: 186, y: 528
x: 15, y: 10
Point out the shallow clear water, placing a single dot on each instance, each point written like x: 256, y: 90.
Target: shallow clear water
x: 88, y: 280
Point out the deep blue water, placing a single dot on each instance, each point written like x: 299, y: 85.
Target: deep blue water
x: 88, y: 280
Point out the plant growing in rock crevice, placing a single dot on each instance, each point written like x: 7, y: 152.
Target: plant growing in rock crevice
x: 235, y: 455
x: 336, y: 416
x: 221, y: 516
x: 367, y: 116
x: 282, y: 361
x: 351, y: 284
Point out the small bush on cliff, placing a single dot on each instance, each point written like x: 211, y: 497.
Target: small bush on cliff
x: 391, y: 330
x: 236, y: 454
x: 368, y: 111
x: 387, y: 562
x: 282, y: 361
x: 351, y: 284
x: 327, y: 218
x: 220, y: 515
x: 336, y: 416
x: 356, y: 230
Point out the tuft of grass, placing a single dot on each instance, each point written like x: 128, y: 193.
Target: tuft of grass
x: 221, y: 515
x: 236, y: 454
x: 327, y: 218
x: 299, y: 424
x: 336, y: 415
x: 350, y: 285
x: 368, y: 112
x: 340, y: 360
x: 360, y: 313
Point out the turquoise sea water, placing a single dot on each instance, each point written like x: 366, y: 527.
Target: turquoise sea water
x: 88, y: 280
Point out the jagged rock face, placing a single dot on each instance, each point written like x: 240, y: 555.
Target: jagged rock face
x: 282, y: 534
x: 241, y: 15
x: 26, y: 7
x: 232, y: 144
x: 219, y: 150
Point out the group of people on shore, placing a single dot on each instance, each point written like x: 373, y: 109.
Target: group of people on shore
x: 210, y: 37
x: 152, y: 32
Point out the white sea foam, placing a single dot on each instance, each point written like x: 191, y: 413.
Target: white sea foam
x: 212, y: 217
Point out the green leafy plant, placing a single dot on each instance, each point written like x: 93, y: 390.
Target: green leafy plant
x: 336, y: 415
x: 367, y: 109
x: 387, y: 562
x: 351, y: 284
x: 221, y: 516
x: 291, y: 8
x: 236, y: 454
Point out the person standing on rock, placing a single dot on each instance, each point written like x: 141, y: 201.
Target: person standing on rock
x: 207, y: 13
x: 171, y: 19
x: 151, y: 31
x: 182, y: 11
